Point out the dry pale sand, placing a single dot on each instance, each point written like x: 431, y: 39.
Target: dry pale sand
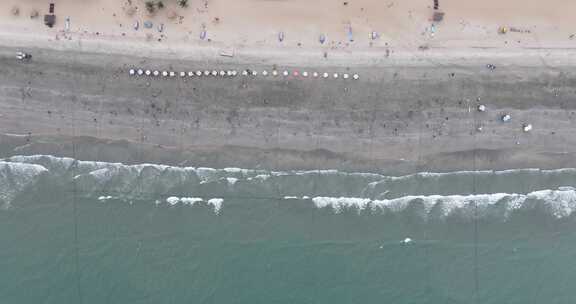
x: 253, y: 25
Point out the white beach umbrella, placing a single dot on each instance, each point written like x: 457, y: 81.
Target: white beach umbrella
x: 234, y: 73
x: 325, y: 75
x: 527, y: 127
x: 345, y: 76
x: 214, y: 73
x: 335, y: 75
x: 222, y: 73
x: 156, y: 73
x: 315, y: 74
x: 190, y: 74
x: 140, y: 72
x: 132, y: 72
x: 164, y: 73
x: 254, y: 73
x: 274, y: 73
x: 356, y: 77
x: 182, y: 74
x: 264, y: 73
x: 244, y: 73
x: 148, y: 72
x: 172, y: 74
x: 198, y: 73
x: 206, y: 73
x: 305, y: 74
x: 285, y: 73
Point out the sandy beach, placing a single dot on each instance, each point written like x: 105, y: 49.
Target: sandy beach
x: 413, y: 109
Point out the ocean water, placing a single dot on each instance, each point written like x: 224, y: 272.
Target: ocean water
x: 88, y: 232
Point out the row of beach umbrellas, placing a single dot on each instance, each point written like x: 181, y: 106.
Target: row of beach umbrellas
x: 233, y: 73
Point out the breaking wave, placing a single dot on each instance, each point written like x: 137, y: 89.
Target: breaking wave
x: 430, y: 195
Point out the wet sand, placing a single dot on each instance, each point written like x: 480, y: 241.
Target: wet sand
x: 398, y: 118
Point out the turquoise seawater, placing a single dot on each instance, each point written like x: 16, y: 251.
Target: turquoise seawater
x: 84, y: 232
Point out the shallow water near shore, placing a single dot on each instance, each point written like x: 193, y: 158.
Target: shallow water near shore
x: 88, y: 232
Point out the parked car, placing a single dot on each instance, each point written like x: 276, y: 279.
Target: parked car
x: 23, y: 56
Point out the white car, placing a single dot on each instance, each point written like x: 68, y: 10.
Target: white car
x: 23, y: 56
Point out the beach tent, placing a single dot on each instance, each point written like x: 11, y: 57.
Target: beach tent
x: 50, y: 20
x: 438, y: 16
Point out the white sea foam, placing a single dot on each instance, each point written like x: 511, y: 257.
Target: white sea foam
x: 334, y: 189
x: 559, y: 203
x: 105, y: 198
x: 190, y: 200
x: 216, y: 203
x: 16, y: 178
x: 173, y: 200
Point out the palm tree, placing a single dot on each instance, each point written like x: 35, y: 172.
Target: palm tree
x: 183, y: 3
